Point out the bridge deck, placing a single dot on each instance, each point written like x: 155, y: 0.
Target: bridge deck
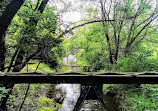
x: 79, y: 78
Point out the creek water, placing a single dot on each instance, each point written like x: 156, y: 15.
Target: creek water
x: 72, y: 91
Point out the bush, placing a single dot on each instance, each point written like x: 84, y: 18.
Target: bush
x: 46, y: 104
x: 135, y: 64
x: 3, y: 91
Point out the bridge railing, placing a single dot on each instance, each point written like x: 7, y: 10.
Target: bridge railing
x: 79, y: 78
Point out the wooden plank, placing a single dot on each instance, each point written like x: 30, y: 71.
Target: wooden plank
x: 79, y: 78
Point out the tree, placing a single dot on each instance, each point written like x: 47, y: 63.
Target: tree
x: 19, y: 65
x: 22, y: 54
x: 132, y: 21
x: 5, y: 19
x: 6, y: 16
x: 90, y: 46
x: 124, y: 26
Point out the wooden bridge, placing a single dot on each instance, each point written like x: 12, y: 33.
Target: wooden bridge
x: 79, y: 78
x: 91, y: 83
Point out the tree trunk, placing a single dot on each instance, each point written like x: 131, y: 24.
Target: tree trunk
x: 19, y: 60
x: 3, y: 102
x: 7, y: 15
x: 2, y: 52
x: 116, y: 53
x: 106, y: 34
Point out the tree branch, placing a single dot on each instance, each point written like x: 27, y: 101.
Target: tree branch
x: 26, y: 93
x: 66, y: 31
x: 12, y: 60
x: 131, y: 47
x: 132, y: 39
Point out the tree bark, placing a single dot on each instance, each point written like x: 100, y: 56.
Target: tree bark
x: 19, y: 60
x: 103, y: 11
x: 2, y: 52
x: 5, y: 20
x: 12, y: 60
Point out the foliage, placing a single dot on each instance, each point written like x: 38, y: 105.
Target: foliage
x: 135, y: 64
x: 134, y: 38
x: 3, y: 5
x: 32, y: 32
x: 21, y: 27
x: 3, y: 91
x: 29, y: 33
x: 142, y: 98
x: 41, y: 67
x: 147, y: 99
x: 46, y: 104
x: 36, y: 98
x: 90, y: 48
x: 120, y: 45
x: 37, y: 94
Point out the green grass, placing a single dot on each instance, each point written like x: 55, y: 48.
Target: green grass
x: 44, y: 68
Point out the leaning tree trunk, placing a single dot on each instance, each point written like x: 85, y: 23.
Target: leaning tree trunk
x: 2, y: 52
x: 19, y: 60
x: 5, y: 19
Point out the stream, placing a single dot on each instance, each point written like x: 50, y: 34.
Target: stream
x: 72, y: 92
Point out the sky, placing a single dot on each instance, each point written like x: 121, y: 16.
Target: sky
x: 72, y: 11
